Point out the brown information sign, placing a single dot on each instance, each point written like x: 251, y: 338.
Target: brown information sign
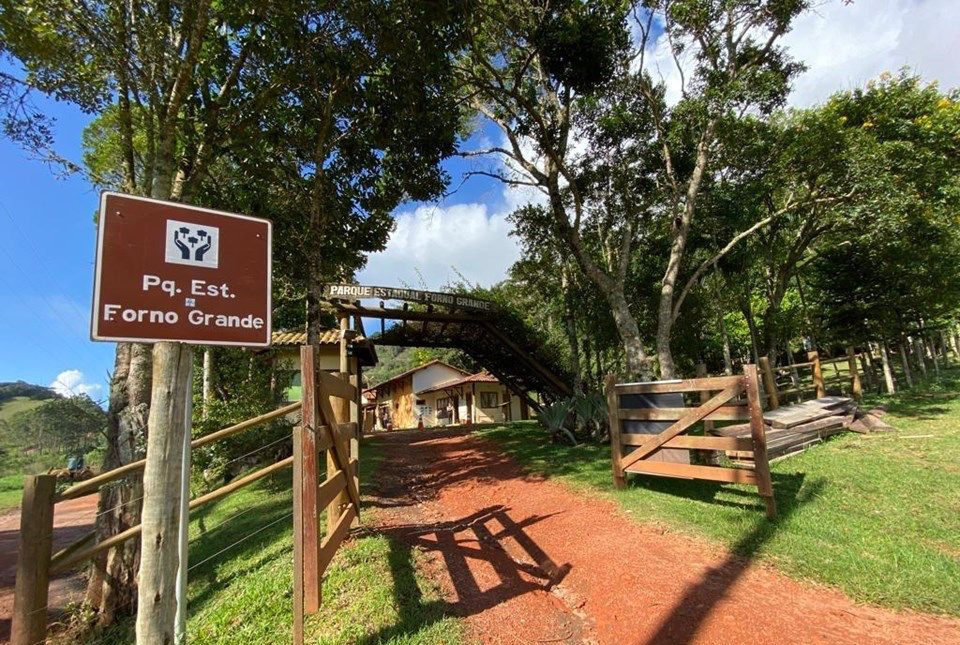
x: 167, y: 271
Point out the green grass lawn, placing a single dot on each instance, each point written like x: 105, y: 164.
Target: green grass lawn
x: 11, y: 490
x: 876, y: 515
x: 372, y: 593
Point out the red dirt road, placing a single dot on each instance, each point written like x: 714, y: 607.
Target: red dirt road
x: 528, y: 561
x: 72, y: 520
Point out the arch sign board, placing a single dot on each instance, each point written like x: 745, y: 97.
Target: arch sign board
x: 361, y: 291
x: 171, y: 272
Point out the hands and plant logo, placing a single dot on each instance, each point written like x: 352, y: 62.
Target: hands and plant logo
x: 192, y: 244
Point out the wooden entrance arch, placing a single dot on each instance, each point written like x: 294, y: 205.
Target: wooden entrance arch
x: 500, y: 343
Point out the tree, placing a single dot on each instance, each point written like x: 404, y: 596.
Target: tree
x: 557, y: 75
x: 181, y: 82
x: 72, y: 425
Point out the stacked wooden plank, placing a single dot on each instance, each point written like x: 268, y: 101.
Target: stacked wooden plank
x: 793, y: 428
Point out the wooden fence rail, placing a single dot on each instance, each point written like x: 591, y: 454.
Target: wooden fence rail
x: 35, y: 564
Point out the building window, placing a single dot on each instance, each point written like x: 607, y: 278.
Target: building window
x: 421, y: 401
x: 489, y: 399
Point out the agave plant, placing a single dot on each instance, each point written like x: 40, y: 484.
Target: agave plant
x: 554, y: 418
x: 591, y: 411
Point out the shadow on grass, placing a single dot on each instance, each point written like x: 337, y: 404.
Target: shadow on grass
x: 701, y: 599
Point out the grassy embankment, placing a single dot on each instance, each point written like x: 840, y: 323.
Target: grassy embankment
x: 372, y: 593
x: 876, y: 515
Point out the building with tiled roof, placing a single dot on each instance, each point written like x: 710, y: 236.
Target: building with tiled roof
x: 286, y: 347
x: 438, y: 394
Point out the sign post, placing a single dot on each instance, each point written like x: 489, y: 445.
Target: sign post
x: 168, y: 274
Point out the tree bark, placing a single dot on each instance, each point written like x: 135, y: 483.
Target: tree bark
x: 906, y: 365
x: 111, y: 587
x: 570, y: 328
x: 727, y: 357
x: 921, y: 360
x: 207, y: 379
x: 932, y: 350
x: 160, y: 555
x: 887, y: 371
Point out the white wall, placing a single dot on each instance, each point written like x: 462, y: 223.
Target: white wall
x: 433, y: 375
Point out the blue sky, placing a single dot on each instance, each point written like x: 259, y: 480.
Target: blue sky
x: 47, y: 234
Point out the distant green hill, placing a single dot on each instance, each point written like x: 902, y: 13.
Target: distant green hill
x: 21, y: 389
x: 17, y: 404
x: 17, y: 396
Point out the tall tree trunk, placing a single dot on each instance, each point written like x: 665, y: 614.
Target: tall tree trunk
x: 906, y: 364
x: 160, y: 557
x: 727, y: 357
x: 918, y: 353
x: 570, y: 328
x: 587, y: 370
x: 747, y: 311
x: 887, y: 371
x: 111, y: 587
x: 208, y: 379
x: 666, y: 316
x: 932, y: 350
x: 638, y: 363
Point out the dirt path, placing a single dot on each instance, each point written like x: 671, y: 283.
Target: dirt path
x: 72, y: 520
x: 528, y: 561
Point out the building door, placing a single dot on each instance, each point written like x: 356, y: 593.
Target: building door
x: 470, y: 407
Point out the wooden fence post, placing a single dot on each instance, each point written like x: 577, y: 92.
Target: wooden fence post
x: 814, y: 357
x: 29, y: 625
x: 306, y: 480
x: 356, y: 415
x: 855, y: 388
x: 761, y: 463
x: 769, y: 383
x: 616, y: 449
x: 708, y: 426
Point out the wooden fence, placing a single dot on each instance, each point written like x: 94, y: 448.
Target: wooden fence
x: 724, y: 398
x: 324, y: 427
x: 786, y: 382
x: 329, y: 424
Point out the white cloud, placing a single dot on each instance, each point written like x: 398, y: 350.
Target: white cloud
x: 436, y: 242
x: 845, y: 45
x: 73, y: 383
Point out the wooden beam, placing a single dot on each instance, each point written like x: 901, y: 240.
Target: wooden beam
x: 723, y: 413
x: 401, y: 314
x: 711, y: 384
x: 693, y: 442
x: 613, y: 414
x: 94, y: 483
x: 689, y: 471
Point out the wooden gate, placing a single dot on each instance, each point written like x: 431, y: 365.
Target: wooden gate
x: 724, y: 398
x: 329, y: 424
